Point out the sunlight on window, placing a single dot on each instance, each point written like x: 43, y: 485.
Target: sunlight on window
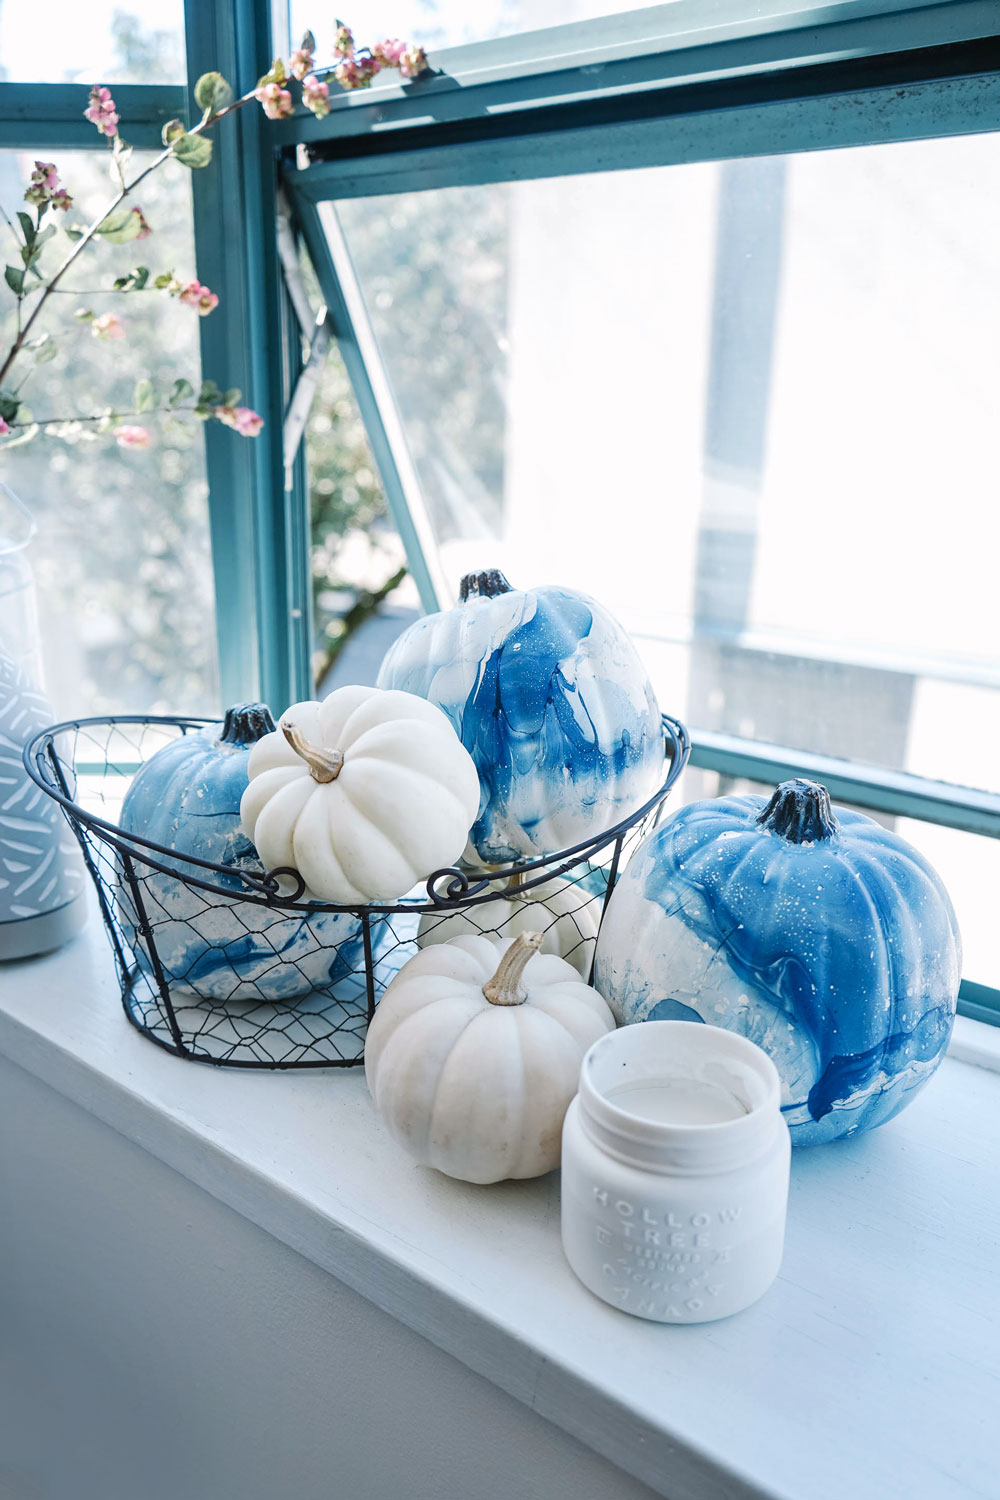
x: 103, y: 41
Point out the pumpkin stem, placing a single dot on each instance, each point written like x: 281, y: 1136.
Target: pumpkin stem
x: 324, y: 765
x: 800, y: 811
x: 246, y: 723
x: 485, y: 585
x: 505, y: 988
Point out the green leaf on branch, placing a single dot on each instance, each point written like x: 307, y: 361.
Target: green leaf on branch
x: 27, y: 224
x: 14, y: 277
x: 172, y: 131
x: 9, y: 406
x: 115, y: 220
x: 192, y: 151
x: 276, y: 74
x: 84, y: 315
x: 31, y: 251
x: 120, y: 154
x: 74, y: 232
x: 45, y: 349
x: 25, y: 435
x: 209, y: 395
x: 212, y: 93
x: 308, y: 42
x: 120, y: 226
x: 180, y: 391
x: 231, y: 397
x: 133, y: 282
x: 144, y: 397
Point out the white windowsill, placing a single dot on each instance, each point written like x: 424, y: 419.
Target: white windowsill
x: 869, y: 1370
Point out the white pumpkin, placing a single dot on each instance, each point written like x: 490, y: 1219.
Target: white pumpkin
x: 474, y: 1055
x: 567, y: 914
x: 364, y: 794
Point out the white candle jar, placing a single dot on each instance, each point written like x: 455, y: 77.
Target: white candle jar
x: 675, y: 1172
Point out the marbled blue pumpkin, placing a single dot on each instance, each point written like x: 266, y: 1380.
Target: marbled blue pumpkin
x: 813, y: 931
x: 186, y: 798
x: 548, y: 695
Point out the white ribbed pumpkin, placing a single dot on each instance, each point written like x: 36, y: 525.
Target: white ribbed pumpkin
x: 566, y: 913
x: 474, y: 1055
x: 365, y: 794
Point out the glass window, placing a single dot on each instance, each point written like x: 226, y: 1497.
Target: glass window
x: 104, y: 41
x: 748, y: 405
x: 122, y: 558
x: 452, y: 23
x: 362, y: 594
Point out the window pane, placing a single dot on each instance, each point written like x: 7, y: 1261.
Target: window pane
x: 454, y: 23
x: 362, y: 594
x: 103, y: 41
x: 122, y: 558
x: 750, y: 406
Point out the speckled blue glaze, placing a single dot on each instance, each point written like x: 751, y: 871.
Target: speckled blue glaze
x: 548, y: 695
x: 186, y: 797
x: 815, y: 932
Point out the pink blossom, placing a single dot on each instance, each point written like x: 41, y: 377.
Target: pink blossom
x: 277, y: 101
x: 132, y: 437
x: 242, y: 420
x: 357, y: 72
x: 389, y: 51
x: 343, y: 41
x: 45, y: 189
x: 193, y: 294
x: 300, y: 63
x: 4, y: 428
x: 144, y: 229
x: 413, y: 62
x: 107, y: 326
x: 316, y: 96
x: 103, y: 112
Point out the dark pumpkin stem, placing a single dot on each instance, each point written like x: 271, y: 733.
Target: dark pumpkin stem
x: 486, y: 585
x: 800, y: 811
x: 246, y: 723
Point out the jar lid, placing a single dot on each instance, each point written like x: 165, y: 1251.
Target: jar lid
x: 679, y: 1096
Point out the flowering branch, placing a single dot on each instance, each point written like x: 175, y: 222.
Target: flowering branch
x: 120, y: 223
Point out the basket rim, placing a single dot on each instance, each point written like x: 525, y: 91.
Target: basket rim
x: 459, y: 889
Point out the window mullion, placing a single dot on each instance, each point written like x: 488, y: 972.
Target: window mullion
x: 895, y: 792
x: 49, y: 116
x: 259, y: 529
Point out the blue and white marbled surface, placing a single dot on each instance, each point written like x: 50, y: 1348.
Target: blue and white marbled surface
x: 840, y: 957
x: 549, y: 696
x: 187, y: 798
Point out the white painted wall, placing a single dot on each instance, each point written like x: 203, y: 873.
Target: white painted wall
x: 155, y: 1345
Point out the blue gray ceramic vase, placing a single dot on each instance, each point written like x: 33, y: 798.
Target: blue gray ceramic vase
x: 814, y: 931
x: 41, y: 873
x: 186, y: 798
x: 548, y: 695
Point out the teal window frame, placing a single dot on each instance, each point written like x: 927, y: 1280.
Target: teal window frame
x: 652, y: 87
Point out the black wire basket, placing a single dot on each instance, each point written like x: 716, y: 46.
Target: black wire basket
x: 229, y: 967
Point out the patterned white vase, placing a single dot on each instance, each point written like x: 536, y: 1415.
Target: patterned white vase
x: 42, y: 901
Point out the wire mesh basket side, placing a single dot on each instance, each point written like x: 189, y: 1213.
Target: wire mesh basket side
x: 214, y: 965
